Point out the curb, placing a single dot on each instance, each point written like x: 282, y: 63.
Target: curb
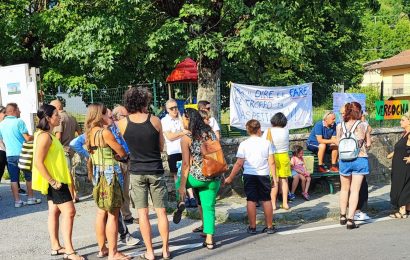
x: 237, y: 213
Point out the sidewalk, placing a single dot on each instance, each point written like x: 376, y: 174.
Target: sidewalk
x: 320, y: 207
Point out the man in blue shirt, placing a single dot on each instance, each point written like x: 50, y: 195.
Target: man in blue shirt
x: 13, y: 132
x: 322, y: 140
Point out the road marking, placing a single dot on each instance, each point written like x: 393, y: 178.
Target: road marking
x: 312, y: 229
x: 171, y: 249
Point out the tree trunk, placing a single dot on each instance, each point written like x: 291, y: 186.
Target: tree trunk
x: 209, y: 74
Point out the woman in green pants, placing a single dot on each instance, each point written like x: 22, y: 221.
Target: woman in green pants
x: 192, y: 176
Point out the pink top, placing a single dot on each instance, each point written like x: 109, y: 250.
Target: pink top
x: 298, y: 165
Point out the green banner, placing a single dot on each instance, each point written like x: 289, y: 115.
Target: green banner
x: 391, y: 109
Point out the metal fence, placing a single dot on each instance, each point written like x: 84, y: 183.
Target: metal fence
x: 184, y: 93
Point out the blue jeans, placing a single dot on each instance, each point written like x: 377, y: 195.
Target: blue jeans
x: 14, y: 170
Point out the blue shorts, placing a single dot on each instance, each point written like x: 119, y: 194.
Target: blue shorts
x: 360, y: 166
x: 14, y: 170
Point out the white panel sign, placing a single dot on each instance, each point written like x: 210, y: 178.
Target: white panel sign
x: 18, y: 85
x: 261, y: 103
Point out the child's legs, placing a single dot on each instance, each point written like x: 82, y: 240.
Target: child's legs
x: 295, y: 183
x: 302, y: 182
x: 268, y: 212
x: 273, y: 195
x: 251, y: 210
x: 285, y: 189
x: 308, y: 180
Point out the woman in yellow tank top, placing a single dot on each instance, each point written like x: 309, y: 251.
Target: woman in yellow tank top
x: 51, y: 177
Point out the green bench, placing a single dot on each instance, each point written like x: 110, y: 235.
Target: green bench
x: 320, y: 177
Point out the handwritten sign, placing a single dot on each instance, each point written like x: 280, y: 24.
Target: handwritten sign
x: 391, y: 109
x: 261, y: 103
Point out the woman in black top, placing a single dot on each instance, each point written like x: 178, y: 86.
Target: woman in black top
x: 143, y: 134
x: 400, y: 173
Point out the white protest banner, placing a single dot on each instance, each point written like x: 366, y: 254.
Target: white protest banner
x: 261, y: 103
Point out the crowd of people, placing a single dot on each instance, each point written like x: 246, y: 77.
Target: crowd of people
x: 123, y: 150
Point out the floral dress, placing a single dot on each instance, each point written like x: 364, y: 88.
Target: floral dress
x: 195, y: 149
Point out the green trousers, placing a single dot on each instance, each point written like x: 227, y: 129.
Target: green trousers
x: 208, y: 191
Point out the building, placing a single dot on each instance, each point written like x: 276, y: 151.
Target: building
x: 395, y: 74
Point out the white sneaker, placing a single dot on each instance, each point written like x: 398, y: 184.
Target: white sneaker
x: 19, y: 204
x: 33, y: 201
x: 361, y: 216
x: 130, y: 240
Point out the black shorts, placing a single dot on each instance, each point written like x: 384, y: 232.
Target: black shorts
x: 60, y: 196
x: 257, y: 188
x: 172, y: 161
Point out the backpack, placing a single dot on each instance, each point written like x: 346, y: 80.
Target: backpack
x: 348, y: 145
x: 213, y: 160
x: 26, y: 156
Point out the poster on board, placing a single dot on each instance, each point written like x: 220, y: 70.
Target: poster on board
x: 18, y: 85
x: 340, y: 99
x: 261, y: 103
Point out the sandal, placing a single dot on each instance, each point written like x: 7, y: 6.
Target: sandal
x: 55, y: 252
x: 144, y: 257
x: 353, y: 225
x: 102, y: 254
x: 343, y: 219
x: 178, y: 213
x: 167, y: 257
x: 198, y: 229
x: 398, y: 214
x: 77, y: 256
x: 285, y: 208
x: 120, y: 256
x: 269, y: 230
x: 210, y: 246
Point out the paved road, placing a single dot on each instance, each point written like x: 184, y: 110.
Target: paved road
x: 24, y: 236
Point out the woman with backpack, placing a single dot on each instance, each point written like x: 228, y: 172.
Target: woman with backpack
x: 192, y: 176
x: 353, y: 162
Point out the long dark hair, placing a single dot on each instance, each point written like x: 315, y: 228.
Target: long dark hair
x: 42, y: 113
x: 196, y: 124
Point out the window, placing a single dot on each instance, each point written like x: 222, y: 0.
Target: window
x: 398, y: 84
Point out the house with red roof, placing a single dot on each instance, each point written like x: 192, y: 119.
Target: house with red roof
x: 394, y: 72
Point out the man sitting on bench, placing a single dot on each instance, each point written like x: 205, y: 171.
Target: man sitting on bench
x: 322, y: 140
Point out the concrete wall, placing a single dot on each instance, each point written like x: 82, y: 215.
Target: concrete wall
x: 383, y: 142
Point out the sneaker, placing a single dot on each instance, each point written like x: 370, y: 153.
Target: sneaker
x: 269, y: 230
x: 33, y: 201
x: 334, y: 169
x: 22, y: 192
x: 251, y: 231
x: 322, y: 169
x: 192, y: 203
x: 306, y: 196
x: 19, y: 204
x: 291, y: 196
x: 130, y: 240
x: 361, y: 216
x: 129, y: 221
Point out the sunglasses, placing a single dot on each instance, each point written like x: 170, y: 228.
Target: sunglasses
x: 173, y: 108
